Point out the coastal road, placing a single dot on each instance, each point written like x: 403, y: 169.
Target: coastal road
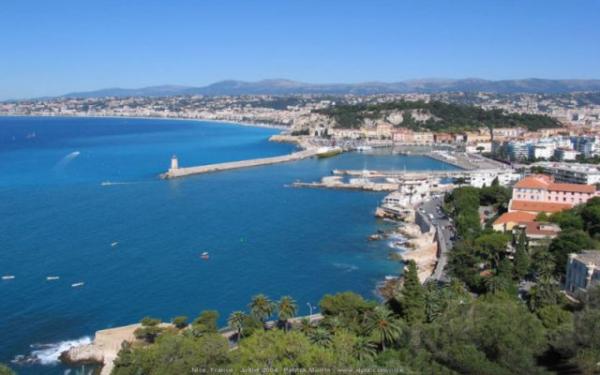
x: 432, y: 209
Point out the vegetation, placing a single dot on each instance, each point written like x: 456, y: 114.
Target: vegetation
x: 484, y: 321
x: 441, y: 116
x: 4, y: 370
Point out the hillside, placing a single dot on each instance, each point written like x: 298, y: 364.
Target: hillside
x: 288, y: 87
x: 434, y: 116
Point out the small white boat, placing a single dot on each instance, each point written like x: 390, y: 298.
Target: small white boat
x: 52, y: 278
x: 364, y: 148
x: 8, y: 277
x: 390, y: 277
x: 76, y: 285
x: 114, y: 244
x: 204, y: 255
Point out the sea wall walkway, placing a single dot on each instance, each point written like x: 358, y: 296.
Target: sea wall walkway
x: 188, y: 171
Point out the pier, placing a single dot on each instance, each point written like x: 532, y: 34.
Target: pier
x: 176, y: 172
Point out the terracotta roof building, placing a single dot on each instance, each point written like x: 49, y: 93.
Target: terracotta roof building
x: 508, y: 220
x: 548, y: 195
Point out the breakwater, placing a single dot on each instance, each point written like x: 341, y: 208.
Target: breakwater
x: 218, y: 167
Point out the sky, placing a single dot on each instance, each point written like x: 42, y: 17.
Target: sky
x: 55, y: 47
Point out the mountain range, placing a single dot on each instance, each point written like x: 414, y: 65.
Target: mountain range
x: 288, y: 87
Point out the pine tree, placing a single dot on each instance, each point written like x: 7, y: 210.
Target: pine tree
x: 522, y: 262
x: 412, y: 295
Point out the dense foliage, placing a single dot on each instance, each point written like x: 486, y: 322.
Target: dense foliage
x: 441, y: 116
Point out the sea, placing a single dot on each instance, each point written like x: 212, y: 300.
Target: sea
x: 81, y: 201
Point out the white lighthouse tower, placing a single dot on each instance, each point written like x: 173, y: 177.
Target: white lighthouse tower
x: 174, y: 163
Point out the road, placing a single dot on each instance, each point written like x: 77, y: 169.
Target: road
x: 432, y: 209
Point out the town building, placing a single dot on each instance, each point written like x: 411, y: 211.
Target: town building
x: 486, y: 178
x: 537, y: 233
x: 572, y: 173
x: 543, y: 189
x: 583, y: 271
x: 564, y: 154
x: 509, y: 220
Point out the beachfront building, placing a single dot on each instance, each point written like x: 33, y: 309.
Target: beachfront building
x: 572, y: 173
x: 583, y: 271
x: 423, y: 138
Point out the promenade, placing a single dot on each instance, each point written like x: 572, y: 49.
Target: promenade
x: 218, y: 167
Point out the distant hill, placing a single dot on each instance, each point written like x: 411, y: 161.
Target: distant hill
x: 288, y: 87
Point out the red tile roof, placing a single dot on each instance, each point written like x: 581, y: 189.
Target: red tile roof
x: 541, y: 229
x: 515, y: 217
x: 576, y: 188
x: 544, y: 182
x: 538, y: 181
x: 531, y: 206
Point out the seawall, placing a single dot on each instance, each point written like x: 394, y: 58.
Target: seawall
x: 218, y: 167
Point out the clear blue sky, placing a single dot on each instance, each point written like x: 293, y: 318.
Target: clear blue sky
x: 53, y: 47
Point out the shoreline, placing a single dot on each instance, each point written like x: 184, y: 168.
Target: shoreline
x: 224, y: 122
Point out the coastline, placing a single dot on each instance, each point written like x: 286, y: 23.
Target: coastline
x: 224, y: 122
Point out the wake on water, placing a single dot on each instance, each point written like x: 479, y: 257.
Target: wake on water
x: 346, y: 267
x: 48, y: 354
x: 66, y: 160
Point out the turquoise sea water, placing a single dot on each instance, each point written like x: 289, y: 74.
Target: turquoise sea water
x: 58, y: 219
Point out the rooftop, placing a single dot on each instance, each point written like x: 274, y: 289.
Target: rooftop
x: 516, y: 217
x: 541, y: 181
x: 588, y: 257
x: 531, y: 206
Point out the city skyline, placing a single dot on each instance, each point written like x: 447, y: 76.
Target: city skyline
x: 68, y: 46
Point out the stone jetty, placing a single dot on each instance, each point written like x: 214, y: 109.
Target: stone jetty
x: 176, y: 172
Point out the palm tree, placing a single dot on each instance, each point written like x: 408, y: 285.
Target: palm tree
x: 364, y: 348
x: 383, y: 327
x: 306, y: 326
x: 287, y: 309
x: 236, y: 321
x: 320, y: 336
x: 261, y: 307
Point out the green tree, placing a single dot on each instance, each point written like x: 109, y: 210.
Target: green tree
x: 412, y: 295
x: 261, y: 307
x: 567, y: 220
x: 364, y: 349
x: 383, y: 327
x: 320, y: 336
x: 349, y: 308
x: 205, y: 323
x: 275, y: 349
x: 236, y: 322
x: 286, y: 308
x: 569, y: 241
x: 180, y: 322
x: 491, y: 247
x: 521, y: 261
x: 149, y: 330
x: 4, y: 370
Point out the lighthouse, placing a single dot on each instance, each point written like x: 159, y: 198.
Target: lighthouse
x: 174, y: 163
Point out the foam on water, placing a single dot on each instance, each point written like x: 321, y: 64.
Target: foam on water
x: 48, y: 354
